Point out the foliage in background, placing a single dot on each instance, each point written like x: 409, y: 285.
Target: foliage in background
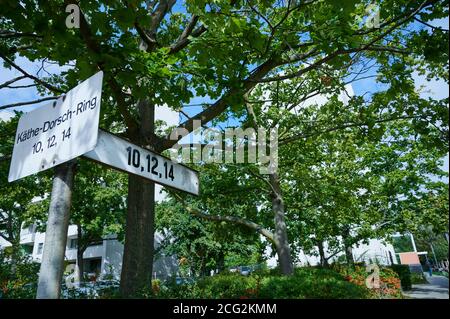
x: 202, y: 246
x: 306, y: 283
x: 17, y: 199
x: 18, y: 276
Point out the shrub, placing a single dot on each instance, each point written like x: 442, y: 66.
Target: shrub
x: 305, y: 283
x: 311, y: 283
x: 389, y: 280
x: 228, y: 285
x: 418, y: 278
x: 404, y: 274
x: 18, y: 277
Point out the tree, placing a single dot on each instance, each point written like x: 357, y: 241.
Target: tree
x: 202, y: 246
x: 221, y: 50
x: 359, y: 184
x: 16, y: 198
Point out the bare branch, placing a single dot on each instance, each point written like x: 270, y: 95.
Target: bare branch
x: 149, y: 42
x: 6, y: 34
x: 160, y: 12
x: 21, y: 86
x: 149, y: 36
x: 12, y: 81
x: 431, y: 26
x: 2, y: 107
x: 190, y: 27
x: 37, y: 80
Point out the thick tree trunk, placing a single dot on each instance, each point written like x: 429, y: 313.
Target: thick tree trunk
x: 280, y: 239
x: 137, y: 263
x: 323, y: 259
x: 138, y: 251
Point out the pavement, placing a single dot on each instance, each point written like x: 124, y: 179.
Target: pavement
x: 437, y: 288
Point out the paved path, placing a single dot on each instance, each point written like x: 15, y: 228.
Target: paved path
x: 437, y: 288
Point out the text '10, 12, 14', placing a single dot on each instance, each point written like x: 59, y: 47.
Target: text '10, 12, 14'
x: 150, y: 164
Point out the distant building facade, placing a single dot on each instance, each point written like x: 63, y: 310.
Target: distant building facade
x: 101, y: 259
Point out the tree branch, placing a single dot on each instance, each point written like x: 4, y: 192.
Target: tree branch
x: 429, y: 25
x: 2, y: 107
x: 232, y: 219
x: 94, y: 47
x: 12, y: 81
x: 183, y: 41
x: 34, y: 78
x: 340, y: 127
x: 11, y: 34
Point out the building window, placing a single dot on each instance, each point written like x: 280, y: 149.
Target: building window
x: 73, y: 243
x: 40, y: 248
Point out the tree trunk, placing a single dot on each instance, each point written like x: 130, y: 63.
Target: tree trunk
x: 221, y: 262
x: 323, y: 259
x: 80, y: 252
x: 280, y: 238
x: 434, y: 254
x: 137, y: 263
x: 349, y: 255
x: 347, y: 246
x: 15, y: 254
x: 138, y: 251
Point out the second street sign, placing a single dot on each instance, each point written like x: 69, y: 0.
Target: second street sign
x: 125, y: 156
x: 58, y: 132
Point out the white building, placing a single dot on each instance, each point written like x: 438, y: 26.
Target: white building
x: 100, y: 258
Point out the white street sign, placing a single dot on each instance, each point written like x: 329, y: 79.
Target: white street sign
x: 58, y: 132
x: 125, y: 156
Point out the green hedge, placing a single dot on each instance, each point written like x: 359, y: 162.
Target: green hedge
x: 311, y: 283
x: 306, y: 283
x: 404, y: 274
